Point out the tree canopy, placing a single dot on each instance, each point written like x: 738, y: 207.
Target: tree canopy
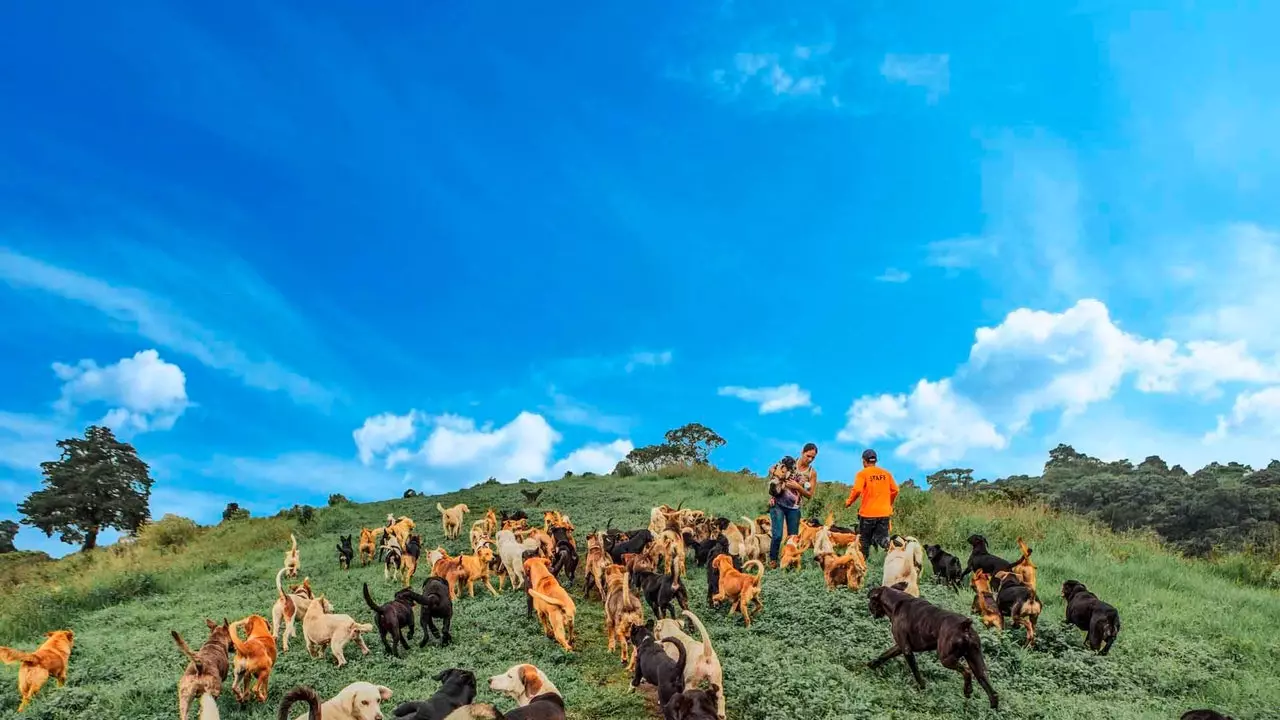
x: 690, y: 444
x: 98, y: 483
x: 8, y: 529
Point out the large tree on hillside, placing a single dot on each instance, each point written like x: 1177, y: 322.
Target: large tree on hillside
x: 696, y: 441
x: 8, y: 529
x: 98, y: 483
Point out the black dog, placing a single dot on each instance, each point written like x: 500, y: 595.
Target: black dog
x: 436, y: 604
x: 918, y: 626
x: 512, y: 516
x: 635, y: 543
x: 661, y: 591
x: 532, y: 496
x: 1204, y: 715
x: 702, y: 550
x: 458, y: 688
x: 547, y: 706
x: 980, y: 559
x: 1100, y: 620
x: 946, y: 567
x: 694, y: 705
x: 393, y: 617
x: 565, y: 556
x: 713, y: 573
x: 345, y: 553
x: 654, y: 666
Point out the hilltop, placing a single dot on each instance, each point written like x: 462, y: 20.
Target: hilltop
x: 1192, y: 637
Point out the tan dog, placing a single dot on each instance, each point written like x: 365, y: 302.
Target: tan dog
x: 740, y: 587
x: 35, y: 668
x: 368, y: 546
x: 479, y: 534
x: 401, y: 529
x: 491, y: 522
x: 597, y: 562
x: 322, y: 627
x: 546, y: 544
x: 736, y: 540
x: 622, y: 610
x: 523, y: 683
x: 255, y: 658
x: 756, y: 544
x: 702, y: 664
x: 289, y: 607
x: 847, y: 570
x: 553, y: 605
x: 474, y: 568
x: 671, y: 552
x: 984, y: 601
x: 1023, y: 567
x: 902, y: 562
x: 451, y: 519
x: 791, y: 555
x: 357, y: 701
x: 639, y: 562
x: 291, y: 563
x: 206, y: 670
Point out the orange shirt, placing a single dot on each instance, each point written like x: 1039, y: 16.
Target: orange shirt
x: 878, y: 491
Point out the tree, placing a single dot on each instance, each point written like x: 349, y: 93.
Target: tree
x: 696, y: 441
x: 649, y: 458
x: 98, y: 483
x: 410, y: 493
x: 233, y: 511
x: 8, y: 529
x: 337, y: 499
x: 951, y: 480
x: 623, y: 469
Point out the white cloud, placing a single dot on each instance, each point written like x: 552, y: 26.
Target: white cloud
x: 159, y: 322
x: 766, y: 68
x: 1035, y: 362
x: 648, y: 358
x: 801, y: 71
x: 569, y: 410
x: 894, y: 275
x: 598, y: 458
x: 143, y: 392
x: 1253, y: 414
x: 382, y: 432
x: 770, y: 399
x: 1243, y: 307
x: 930, y: 71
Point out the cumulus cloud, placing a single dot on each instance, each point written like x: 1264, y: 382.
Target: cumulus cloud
x: 770, y: 399
x: 1254, y: 413
x: 143, y: 392
x: 382, y: 432
x: 1037, y: 361
x: 599, y: 458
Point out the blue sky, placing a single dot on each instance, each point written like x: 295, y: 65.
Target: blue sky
x: 291, y: 249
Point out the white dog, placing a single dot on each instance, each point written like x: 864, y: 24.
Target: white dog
x: 523, y: 683
x: 511, y: 551
x: 357, y: 701
x: 902, y: 562
x: 701, y: 661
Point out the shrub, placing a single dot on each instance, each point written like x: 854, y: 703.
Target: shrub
x: 623, y: 469
x: 303, y: 514
x: 169, y: 533
x: 410, y: 493
x: 338, y: 499
x: 745, y: 471
x: 567, y: 474
x: 588, y: 474
x: 523, y: 481
x: 233, y: 511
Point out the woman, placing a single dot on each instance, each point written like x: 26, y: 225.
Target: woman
x: 790, y: 483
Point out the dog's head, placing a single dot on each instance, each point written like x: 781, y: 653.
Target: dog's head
x: 522, y: 682
x: 694, y: 704
x: 980, y: 581
x: 933, y: 551
x: 875, y: 602
x: 458, y: 683
x: 363, y: 700
x: 978, y: 543
x: 1071, y: 587
x: 640, y: 634
x: 485, y: 553
x: 61, y: 639
x: 722, y: 523
x: 220, y: 634
x: 405, y: 595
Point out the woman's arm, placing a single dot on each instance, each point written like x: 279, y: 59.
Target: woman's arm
x: 813, y: 484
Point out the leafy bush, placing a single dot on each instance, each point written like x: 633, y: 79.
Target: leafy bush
x: 523, y: 481
x: 623, y: 469
x: 233, y: 511
x: 338, y: 499
x: 169, y: 533
x: 303, y: 514
x: 410, y: 493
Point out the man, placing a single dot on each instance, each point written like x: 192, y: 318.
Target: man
x: 877, y: 489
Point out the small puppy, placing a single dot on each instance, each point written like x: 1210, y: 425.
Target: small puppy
x: 35, y: 668
x: 536, y: 698
x: 207, y: 669
x: 392, y: 618
x: 321, y: 627
x: 902, y: 561
x: 1084, y: 610
x: 345, y: 553
x: 946, y: 567
x: 291, y: 562
x: 357, y: 701
x: 458, y: 688
x: 255, y: 657
x: 653, y: 666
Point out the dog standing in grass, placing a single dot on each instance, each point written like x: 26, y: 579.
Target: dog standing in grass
x: 35, y: 668
x: 207, y: 670
x: 451, y: 519
x: 291, y: 562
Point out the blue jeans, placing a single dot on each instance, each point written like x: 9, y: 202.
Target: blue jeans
x: 776, y: 516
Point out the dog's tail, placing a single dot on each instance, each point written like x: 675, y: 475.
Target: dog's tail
x: 301, y: 693
x: 702, y: 630
x: 293, y: 542
x: 209, y: 708
x: 1026, y: 551
x: 235, y: 638
x: 368, y: 599
x: 831, y: 518
x: 286, y: 601
x: 679, y: 505
x: 440, y: 508
x: 186, y: 650
x: 681, y: 656
x: 760, y: 572
x: 361, y: 627
x: 752, y: 529
x: 547, y: 598
x: 10, y: 656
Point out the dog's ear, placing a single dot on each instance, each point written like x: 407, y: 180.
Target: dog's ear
x: 211, y: 624
x: 384, y: 692
x: 226, y: 624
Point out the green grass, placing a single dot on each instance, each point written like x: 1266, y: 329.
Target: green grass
x: 1191, y: 637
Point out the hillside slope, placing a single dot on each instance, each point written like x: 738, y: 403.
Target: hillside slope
x: 1190, y: 638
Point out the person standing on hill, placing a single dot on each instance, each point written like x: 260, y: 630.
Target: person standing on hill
x: 788, y: 488
x: 876, y: 487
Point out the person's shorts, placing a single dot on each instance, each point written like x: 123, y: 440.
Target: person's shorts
x: 874, y: 531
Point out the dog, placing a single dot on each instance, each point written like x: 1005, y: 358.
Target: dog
x: 288, y: 607
x: 35, y: 668
x: 536, y: 697
x: 1023, y: 567
x: 597, y: 562
x: 291, y: 562
x: 653, y: 666
x: 1018, y: 602
x: 636, y: 543
x: 622, y: 610
x: 946, y: 567
x: 740, y: 587
x: 661, y: 591
x: 322, y: 627
x: 564, y: 557
x: 255, y: 658
x: 732, y: 534
x: 392, y: 618
x: 357, y: 701
x: 792, y: 554
x: 457, y: 689
x: 531, y: 496
x: 720, y: 549
x: 400, y: 527
x: 511, y: 551
x: 393, y: 558
x: 696, y: 705
x: 918, y: 626
x: 1204, y: 715
x: 980, y: 559
x: 451, y: 519
x: 345, y: 552
x: 409, y: 559
x: 436, y: 604
x: 554, y: 607
x: 368, y: 546
x: 702, y: 549
x: 479, y: 533
x: 207, y: 668
x: 984, y: 601
x: 701, y: 661
x: 755, y: 545
x: 1099, y: 620
x: 472, y: 569
x: 902, y: 561
x: 848, y: 570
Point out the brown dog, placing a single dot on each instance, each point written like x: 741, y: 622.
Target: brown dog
x: 553, y: 605
x: 622, y: 610
x: 474, y: 568
x: 847, y: 570
x: 597, y: 562
x: 255, y: 657
x: 207, y: 669
x: 984, y: 601
x: 1023, y: 567
x: 368, y: 545
x: 740, y: 587
x: 791, y: 554
x: 50, y: 659
x: 291, y: 563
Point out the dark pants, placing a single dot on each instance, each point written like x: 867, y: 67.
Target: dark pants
x: 776, y: 516
x: 873, y: 531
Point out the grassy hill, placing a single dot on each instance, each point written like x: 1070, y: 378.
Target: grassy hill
x: 1191, y: 637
